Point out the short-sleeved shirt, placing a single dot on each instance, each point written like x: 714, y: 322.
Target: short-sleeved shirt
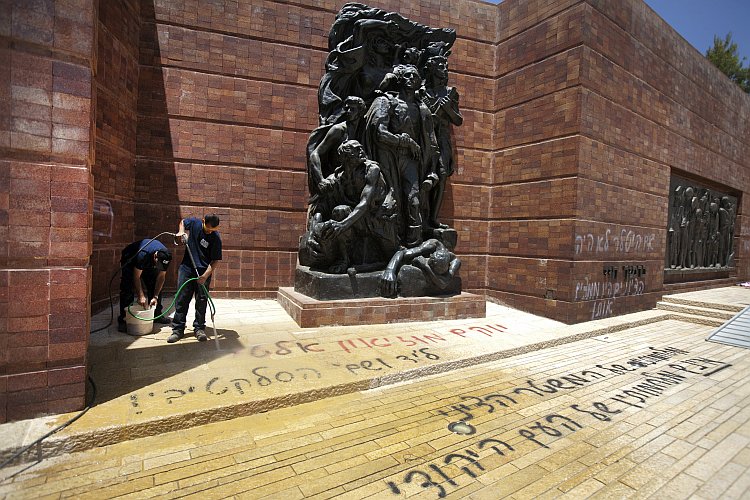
x: 144, y: 260
x: 205, y: 248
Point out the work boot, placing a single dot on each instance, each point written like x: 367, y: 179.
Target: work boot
x: 163, y: 321
x: 200, y: 335
x: 175, y: 336
x: 122, y: 326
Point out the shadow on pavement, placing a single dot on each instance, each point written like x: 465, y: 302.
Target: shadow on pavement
x: 121, y: 363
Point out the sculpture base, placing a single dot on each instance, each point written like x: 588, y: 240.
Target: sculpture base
x: 323, y: 286
x: 311, y: 313
x: 683, y: 275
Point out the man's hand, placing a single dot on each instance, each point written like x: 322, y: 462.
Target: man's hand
x: 325, y: 185
x: 152, y: 303
x: 142, y: 300
x: 331, y: 229
x: 414, y: 148
x: 202, y: 279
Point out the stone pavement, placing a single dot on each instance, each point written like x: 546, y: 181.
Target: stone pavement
x: 631, y: 406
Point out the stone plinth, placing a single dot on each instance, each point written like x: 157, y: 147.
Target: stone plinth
x: 324, y: 286
x: 696, y: 274
x: 311, y: 313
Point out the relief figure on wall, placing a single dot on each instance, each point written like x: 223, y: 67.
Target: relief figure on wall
x: 701, y: 229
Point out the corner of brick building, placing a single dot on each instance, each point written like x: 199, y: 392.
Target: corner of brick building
x: 45, y: 166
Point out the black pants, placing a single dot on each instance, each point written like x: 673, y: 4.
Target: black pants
x: 192, y: 289
x: 127, y: 289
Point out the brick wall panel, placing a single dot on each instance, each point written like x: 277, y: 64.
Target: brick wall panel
x: 551, y: 116
x: 277, y: 21
x: 473, y: 167
x: 184, y: 93
x: 610, y: 203
x: 225, y: 54
x: 472, y: 235
x: 533, y: 200
x: 465, y: 202
x: 617, y: 126
x: 533, y: 162
x: 527, y: 276
x: 532, y: 238
x: 223, y: 185
x: 555, y: 73
x: 604, y: 163
x: 707, y: 129
x: 517, y: 16
x: 552, y: 35
x: 219, y: 142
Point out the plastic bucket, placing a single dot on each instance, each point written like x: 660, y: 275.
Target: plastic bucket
x: 138, y: 326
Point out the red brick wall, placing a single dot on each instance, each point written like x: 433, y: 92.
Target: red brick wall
x: 653, y: 106
x: 573, y: 122
x: 534, y: 196
x: 46, y: 49
x: 226, y: 101
x: 116, y: 85
x: 597, y: 104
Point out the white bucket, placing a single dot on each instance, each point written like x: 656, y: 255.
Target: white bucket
x: 137, y: 326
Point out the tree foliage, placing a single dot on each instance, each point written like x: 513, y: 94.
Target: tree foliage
x: 726, y: 56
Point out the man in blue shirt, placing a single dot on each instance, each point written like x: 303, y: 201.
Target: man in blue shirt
x: 144, y: 264
x: 204, y: 244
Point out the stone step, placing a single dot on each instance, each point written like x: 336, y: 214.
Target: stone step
x: 695, y: 310
x: 702, y: 304
x: 695, y: 319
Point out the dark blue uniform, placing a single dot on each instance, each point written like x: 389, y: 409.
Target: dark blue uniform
x: 205, y: 249
x: 132, y: 259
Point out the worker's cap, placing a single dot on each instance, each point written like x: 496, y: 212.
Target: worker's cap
x: 162, y: 260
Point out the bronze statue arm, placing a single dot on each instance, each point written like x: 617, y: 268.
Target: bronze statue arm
x: 401, y: 141
x: 331, y: 140
x: 451, y: 109
x: 333, y: 228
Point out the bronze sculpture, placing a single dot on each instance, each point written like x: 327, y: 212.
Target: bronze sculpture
x: 701, y: 228
x: 379, y: 162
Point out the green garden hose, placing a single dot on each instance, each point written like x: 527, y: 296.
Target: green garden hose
x: 165, y: 311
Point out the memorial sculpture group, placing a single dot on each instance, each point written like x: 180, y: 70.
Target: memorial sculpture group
x: 701, y: 229
x: 379, y: 162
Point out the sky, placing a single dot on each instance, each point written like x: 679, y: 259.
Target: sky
x: 699, y: 20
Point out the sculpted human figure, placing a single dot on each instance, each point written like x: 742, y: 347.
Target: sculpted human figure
x: 674, y: 233
x: 401, y: 138
x: 356, y: 66
x: 322, y: 157
x: 685, y: 220
x: 363, y: 222
x: 701, y: 218
x: 713, y: 233
x: 364, y: 44
x: 443, y: 104
x: 726, y: 228
x: 438, y: 264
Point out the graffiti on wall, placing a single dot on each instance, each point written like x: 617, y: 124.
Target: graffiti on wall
x: 624, y: 241
x: 617, y: 283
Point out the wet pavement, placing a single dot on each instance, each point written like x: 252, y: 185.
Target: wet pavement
x: 511, y: 405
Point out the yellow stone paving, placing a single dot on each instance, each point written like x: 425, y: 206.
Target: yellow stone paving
x: 576, y: 420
